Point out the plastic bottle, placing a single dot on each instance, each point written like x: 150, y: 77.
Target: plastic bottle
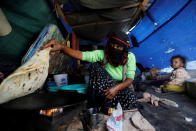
x: 143, y: 76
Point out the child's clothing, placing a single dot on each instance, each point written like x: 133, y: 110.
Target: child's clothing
x: 172, y: 88
x: 177, y: 79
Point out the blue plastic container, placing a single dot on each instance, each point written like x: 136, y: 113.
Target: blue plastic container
x: 80, y: 88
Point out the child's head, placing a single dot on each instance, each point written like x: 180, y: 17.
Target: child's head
x: 178, y: 61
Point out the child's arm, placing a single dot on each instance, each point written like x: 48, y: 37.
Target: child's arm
x: 163, y: 77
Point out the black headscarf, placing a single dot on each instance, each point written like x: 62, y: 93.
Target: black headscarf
x: 117, y: 57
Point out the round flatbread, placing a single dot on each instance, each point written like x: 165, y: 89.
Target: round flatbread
x: 27, y: 78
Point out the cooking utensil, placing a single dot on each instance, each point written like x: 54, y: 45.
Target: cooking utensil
x: 49, y: 100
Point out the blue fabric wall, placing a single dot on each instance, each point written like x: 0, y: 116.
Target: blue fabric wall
x: 174, y: 34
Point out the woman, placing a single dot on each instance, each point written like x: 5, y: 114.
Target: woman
x: 106, y: 86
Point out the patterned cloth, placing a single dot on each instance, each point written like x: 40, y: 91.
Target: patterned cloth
x: 178, y: 77
x: 99, y: 81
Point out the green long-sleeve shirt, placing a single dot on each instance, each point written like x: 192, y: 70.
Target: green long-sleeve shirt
x: 115, y: 72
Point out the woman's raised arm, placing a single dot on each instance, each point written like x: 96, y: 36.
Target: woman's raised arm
x: 57, y: 47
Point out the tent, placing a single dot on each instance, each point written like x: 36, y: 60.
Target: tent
x: 157, y: 31
x: 165, y: 28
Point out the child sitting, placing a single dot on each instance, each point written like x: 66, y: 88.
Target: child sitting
x: 178, y: 75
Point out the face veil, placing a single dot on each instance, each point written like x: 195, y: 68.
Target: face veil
x: 115, y: 56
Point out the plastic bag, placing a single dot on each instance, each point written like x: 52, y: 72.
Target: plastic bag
x: 114, y: 123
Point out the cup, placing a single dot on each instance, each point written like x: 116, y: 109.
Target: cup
x: 86, y: 78
x: 61, y: 79
x: 92, y: 117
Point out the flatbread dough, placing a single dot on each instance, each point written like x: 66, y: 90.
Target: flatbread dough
x: 27, y: 78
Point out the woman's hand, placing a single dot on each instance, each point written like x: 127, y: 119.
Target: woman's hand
x: 111, y: 92
x: 54, y: 44
x: 57, y: 47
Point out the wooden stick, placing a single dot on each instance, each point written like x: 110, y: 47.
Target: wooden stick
x: 130, y: 5
x: 100, y: 22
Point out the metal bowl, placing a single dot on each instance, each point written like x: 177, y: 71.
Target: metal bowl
x: 191, y: 87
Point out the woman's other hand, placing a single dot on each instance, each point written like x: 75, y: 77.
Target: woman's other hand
x: 111, y: 92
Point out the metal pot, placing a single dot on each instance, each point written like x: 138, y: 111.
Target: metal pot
x: 191, y: 87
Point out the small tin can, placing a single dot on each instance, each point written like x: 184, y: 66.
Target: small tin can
x: 110, y: 110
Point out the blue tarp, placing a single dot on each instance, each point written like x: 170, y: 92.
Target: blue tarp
x: 174, y: 33
x: 169, y: 30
